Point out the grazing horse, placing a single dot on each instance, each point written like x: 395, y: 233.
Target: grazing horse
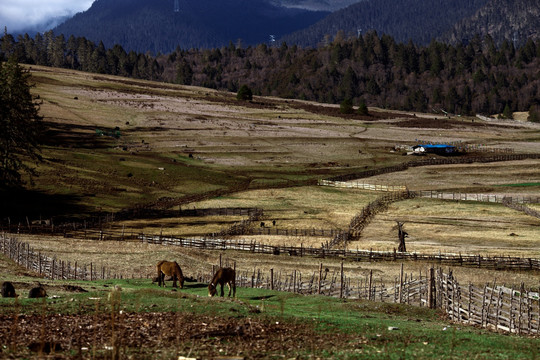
x: 8, y: 290
x: 169, y: 268
x: 223, y: 276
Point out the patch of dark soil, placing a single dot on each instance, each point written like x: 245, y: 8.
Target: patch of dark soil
x: 425, y: 123
x: 334, y: 111
x: 437, y: 123
x: 201, y: 335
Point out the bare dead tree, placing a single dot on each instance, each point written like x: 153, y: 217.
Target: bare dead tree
x: 401, y: 235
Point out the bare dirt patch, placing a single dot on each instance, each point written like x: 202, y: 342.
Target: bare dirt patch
x: 169, y: 334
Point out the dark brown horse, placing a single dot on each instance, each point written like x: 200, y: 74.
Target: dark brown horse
x: 223, y: 276
x: 37, y: 292
x: 169, y: 268
x: 8, y: 290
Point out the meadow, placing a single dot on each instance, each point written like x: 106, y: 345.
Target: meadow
x: 114, y: 144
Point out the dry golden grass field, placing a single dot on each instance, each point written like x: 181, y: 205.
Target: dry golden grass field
x: 115, y: 143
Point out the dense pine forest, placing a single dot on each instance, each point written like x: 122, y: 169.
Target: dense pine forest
x: 479, y: 77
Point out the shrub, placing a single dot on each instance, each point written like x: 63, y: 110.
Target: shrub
x: 346, y: 107
x: 244, y: 93
x: 362, y: 109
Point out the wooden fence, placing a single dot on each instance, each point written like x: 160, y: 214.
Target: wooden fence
x: 476, y: 261
x: 494, y: 307
x: 362, y: 219
x: 520, y: 207
x: 492, y: 198
x: 430, y: 161
x: 362, y: 185
x: 47, y: 267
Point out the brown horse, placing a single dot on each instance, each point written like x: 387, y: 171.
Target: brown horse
x: 8, y: 290
x: 169, y: 268
x: 223, y: 276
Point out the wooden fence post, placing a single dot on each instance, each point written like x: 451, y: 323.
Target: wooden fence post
x: 400, y: 294
x: 341, y: 287
x: 370, y: 284
x: 272, y: 279
x: 320, y: 280
x: 431, y: 289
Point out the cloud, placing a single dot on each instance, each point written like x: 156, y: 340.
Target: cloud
x: 19, y: 15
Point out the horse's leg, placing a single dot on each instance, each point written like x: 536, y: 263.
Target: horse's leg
x: 230, y: 288
x: 222, y: 292
x: 174, y: 281
x: 159, y: 277
x: 163, y: 279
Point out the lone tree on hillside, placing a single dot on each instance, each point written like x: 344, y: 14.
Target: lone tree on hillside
x: 402, y: 234
x: 346, y: 107
x: 534, y: 113
x: 362, y: 108
x: 20, y: 125
x: 244, y: 93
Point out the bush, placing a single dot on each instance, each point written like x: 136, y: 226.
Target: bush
x: 346, y: 107
x: 534, y: 114
x: 362, y: 109
x: 244, y: 93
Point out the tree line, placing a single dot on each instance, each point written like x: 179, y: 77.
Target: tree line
x: 477, y: 77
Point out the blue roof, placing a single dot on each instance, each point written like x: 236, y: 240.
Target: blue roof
x: 436, y: 146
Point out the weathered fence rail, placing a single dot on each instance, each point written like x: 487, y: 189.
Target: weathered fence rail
x: 50, y: 268
x: 361, y: 185
x: 438, y: 161
x: 495, y: 307
x: 477, y: 261
x: 492, y: 198
x: 362, y: 219
x: 520, y: 207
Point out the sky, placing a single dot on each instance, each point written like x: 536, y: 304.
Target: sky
x: 20, y: 15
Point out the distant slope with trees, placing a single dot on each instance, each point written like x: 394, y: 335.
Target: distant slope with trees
x: 515, y: 20
x: 479, y: 77
x: 404, y: 20
x: 154, y: 26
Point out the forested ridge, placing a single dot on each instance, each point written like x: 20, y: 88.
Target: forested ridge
x: 404, y: 20
x: 479, y: 77
x: 154, y: 26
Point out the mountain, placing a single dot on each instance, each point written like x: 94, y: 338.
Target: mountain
x: 513, y: 20
x: 404, y: 20
x: 316, y: 5
x: 156, y: 26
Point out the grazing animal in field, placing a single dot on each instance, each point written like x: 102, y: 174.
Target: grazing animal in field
x: 223, y: 276
x: 169, y: 268
x: 8, y: 290
x: 37, y: 292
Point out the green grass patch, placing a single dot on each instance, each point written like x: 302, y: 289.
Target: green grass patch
x: 363, y: 329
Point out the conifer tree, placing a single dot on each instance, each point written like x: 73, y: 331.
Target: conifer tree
x: 244, y: 93
x: 20, y: 125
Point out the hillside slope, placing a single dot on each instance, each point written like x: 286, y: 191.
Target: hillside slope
x: 156, y: 27
x: 513, y: 20
x: 419, y: 21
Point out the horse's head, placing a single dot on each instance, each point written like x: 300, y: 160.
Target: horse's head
x: 181, y: 281
x: 211, y: 290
